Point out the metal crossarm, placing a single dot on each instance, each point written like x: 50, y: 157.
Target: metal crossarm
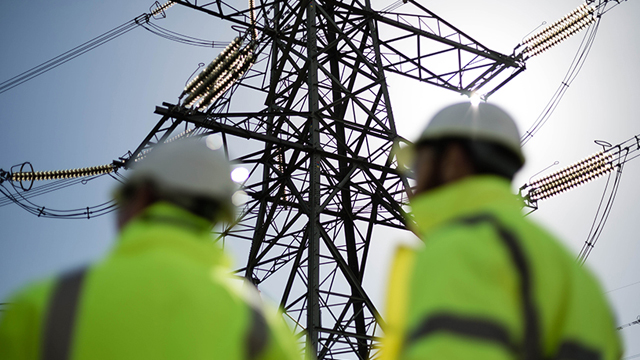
x: 423, y: 46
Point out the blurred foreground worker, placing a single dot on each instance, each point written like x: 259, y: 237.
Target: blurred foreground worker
x: 165, y: 292
x: 488, y: 283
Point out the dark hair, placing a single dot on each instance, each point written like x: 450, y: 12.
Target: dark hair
x: 201, y: 206
x: 198, y: 205
x: 486, y: 157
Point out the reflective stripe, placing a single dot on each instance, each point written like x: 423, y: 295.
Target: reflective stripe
x: 570, y: 350
x: 258, y: 335
x: 531, y: 343
x: 397, y: 303
x: 58, y: 326
x: 481, y: 329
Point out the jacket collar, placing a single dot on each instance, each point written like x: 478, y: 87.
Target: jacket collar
x: 163, y: 225
x: 471, y: 195
x: 163, y: 213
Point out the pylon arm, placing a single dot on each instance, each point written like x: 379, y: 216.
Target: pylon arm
x: 203, y: 120
x: 222, y: 10
x: 444, y: 55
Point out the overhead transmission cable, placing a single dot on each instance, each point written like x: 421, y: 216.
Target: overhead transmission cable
x: 42, y: 211
x: 601, y: 218
x: 22, y: 185
x: 83, y: 48
x: 622, y: 287
x: 580, y: 173
x: 55, y: 185
x: 635, y: 322
x: 211, y: 83
x: 184, y: 39
x: 586, y: 16
x: 45, y: 189
x: 19, y: 193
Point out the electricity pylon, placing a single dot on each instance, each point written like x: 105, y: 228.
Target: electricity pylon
x: 305, y: 84
x: 309, y: 94
x: 312, y: 120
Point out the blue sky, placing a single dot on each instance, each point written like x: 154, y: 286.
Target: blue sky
x: 95, y: 108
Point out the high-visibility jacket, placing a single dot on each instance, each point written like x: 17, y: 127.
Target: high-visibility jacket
x: 490, y: 284
x: 165, y: 292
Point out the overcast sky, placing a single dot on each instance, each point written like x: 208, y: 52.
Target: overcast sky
x: 99, y: 106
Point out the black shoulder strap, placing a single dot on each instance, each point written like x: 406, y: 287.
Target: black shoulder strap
x: 531, y: 347
x: 257, y: 337
x: 60, y: 318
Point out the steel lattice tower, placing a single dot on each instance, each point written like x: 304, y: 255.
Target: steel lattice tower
x: 312, y: 119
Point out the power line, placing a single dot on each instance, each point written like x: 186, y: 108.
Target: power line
x: 575, y: 67
x: 635, y: 322
x: 572, y: 73
x: 118, y: 31
x: 622, y: 287
x: 45, y: 189
x: 598, y: 223
x: 184, y: 39
x: 20, y: 195
x: 22, y: 179
x: 71, y: 54
x: 582, y: 172
x: 42, y: 211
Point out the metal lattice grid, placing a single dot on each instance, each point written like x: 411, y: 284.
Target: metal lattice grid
x: 312, y: 120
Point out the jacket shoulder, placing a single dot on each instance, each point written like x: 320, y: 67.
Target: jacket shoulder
x: 21, y: 323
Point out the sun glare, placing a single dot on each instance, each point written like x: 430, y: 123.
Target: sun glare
x: 239, y: 174
x: 475, y: 98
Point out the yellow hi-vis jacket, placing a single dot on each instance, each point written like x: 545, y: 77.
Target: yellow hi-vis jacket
x: 489, y: 284
x: 165, y: 292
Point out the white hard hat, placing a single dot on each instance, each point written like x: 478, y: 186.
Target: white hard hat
x: 482, y: 122
x: 187, y: 167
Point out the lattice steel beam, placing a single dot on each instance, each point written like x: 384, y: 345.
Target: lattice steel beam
x: 317, y: 135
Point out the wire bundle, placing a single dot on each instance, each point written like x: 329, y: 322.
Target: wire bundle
x: 234, y: 61
x: 141, y: 20
x: 19, y: 197
x: 570, y: 76
x: 71, y: 54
